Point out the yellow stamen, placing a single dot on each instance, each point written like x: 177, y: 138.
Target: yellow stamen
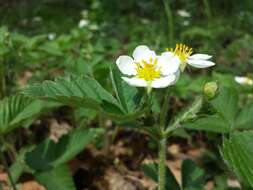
x: 182, y: 51
x: 148, y: 70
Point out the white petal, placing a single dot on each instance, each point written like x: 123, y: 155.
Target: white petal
x: 200, y: 56
x: 244, y: 80
x: 126, y: 65
x: 200, y: 63
x: 177, y: 75
x: 240, y: 80
x: 169, y: 63
x: 135, y: 81
x: 183, y: 13
x: 143, y: 52
x: 164, y: 82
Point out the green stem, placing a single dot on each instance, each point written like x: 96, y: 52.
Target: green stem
x: 7, y: 170
x: 148, y: 102
x: 2, y: 80
x: 163, y: 143
x: 207, y: 10
x: 172, y: 128
x: 106, y: 145
x: 162, y: 164
x: 164, y: 110
x: 169, y: 15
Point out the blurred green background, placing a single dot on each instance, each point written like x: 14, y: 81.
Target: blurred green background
x: 43, y: 39
x: 50, y: 37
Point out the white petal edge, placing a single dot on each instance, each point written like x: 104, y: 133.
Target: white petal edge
x: 142, y: 52
x: 168, y: 63
x: 243, y: 80
x: 200, y: 56
x: 135, y: 81
x: 164, y: 81
x: 200, y: 63
x: 126, y: 65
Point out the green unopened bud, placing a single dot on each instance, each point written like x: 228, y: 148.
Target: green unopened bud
x: 210, y: 89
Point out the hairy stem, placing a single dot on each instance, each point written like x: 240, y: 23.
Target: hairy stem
x: 162, y: 164
x: 164, y: 110
x: 163, y: 143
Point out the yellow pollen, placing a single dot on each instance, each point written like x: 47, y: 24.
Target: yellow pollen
x: 182, y: 51
x: 148, y: 70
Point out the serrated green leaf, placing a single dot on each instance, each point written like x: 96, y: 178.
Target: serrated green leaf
x: 192, y: 176
x: 49, y: 154
x: 51, y: 48
x: 237, y: 151
x: 151, y: 170
x: 74, y: 91
x: 245, y: 118
x: 128, y: 96
x: 19, y: 166
x: 226, y: 104
x: 15, y: 110
x: 213, y: 123
x: 58, y: 178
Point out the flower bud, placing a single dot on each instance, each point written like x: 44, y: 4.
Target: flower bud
x: 210, y: 89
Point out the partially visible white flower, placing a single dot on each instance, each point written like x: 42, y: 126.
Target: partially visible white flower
x: 51, y: 36
x: 186, y: 23
x: 84, y: 13
x: 244, y: 80
x: 184, y: 53
x: 93, y: 27
x: 146, y: 69
x: 183, y: 13
x: 37, y: 19
x: 82, y: 23
x: 145, y: 21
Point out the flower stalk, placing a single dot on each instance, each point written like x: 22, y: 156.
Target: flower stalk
x: 162, y: 164
x: 164, y: 110
x: 147, y: 69
x: 162, y: 144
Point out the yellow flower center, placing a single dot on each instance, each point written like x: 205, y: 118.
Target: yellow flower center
x: 182, y: 51
x: 148, y: 70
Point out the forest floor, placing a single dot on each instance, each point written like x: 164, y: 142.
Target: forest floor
x: 118, y: 166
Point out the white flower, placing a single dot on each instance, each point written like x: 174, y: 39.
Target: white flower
x: 51, y: 36
x: 244, y: 80
x: 146, y: 69
x: 186, y: 23
x: 184, y: 53
x: 183, y: 13
x: 83, y: 23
